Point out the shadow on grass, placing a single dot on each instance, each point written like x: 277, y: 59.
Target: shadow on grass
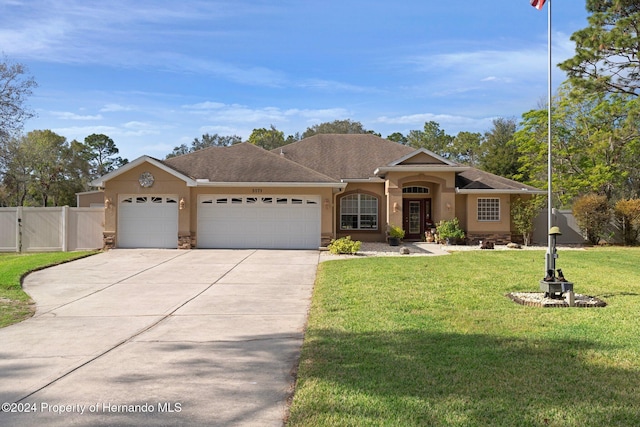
x: 423, y: 378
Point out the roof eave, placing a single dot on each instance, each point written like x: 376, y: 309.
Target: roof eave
x: 203, y: 183
x: 420, y: 168
x: 375, y: 179
x: 99, y: 182
x: 498, y: 191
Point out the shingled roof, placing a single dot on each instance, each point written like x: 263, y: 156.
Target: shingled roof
x: 350, y: 156
x: 476, y: 179
x: 243, y: 162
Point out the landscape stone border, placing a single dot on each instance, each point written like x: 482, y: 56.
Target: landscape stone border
x: 537, y: 299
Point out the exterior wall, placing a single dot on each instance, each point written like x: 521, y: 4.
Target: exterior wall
x: 374, y: 189
x: 325, y: 194
x: 441, y: 192
x: 496, y: 231
x: 390, y: 209
x: 461, y: 211
x: 90, y: 199
x: 127, y: 184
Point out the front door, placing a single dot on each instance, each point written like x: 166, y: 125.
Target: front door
x: 415, y: 213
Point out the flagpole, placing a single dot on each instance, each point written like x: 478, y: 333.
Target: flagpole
x: 550, y: 263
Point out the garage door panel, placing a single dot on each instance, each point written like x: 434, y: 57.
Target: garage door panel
x: 274, y: 222
x: 148, y: 222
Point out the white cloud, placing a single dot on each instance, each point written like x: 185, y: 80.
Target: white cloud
x: 114, y: 108
x: 458, y: 72
x: 207, y: 105
x: 237, y: 113
x: 65, y: 115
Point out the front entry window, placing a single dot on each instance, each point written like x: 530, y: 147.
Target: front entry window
x: 359, y: 212
x: 414, y: 216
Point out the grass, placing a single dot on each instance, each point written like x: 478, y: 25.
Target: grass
x: 15, y: 304
x: 433, y: 341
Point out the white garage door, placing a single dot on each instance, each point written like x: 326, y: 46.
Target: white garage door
x: 148, y: 221
x: 272, y: 222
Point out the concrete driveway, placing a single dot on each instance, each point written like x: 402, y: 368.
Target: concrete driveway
x: 159, y: 337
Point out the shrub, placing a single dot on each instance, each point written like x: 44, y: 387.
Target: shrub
x: 450, y: 230
x: 627, y: 214
x: 592, y: 214
x: 344, y: 245
x: 397, y: 232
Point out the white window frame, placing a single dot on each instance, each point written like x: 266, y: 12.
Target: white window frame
x: 488, y: 209
x: 360, y: 210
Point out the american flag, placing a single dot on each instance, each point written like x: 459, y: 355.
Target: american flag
x: 537, y: 4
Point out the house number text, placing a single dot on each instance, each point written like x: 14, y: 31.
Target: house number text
x: 256, y: 190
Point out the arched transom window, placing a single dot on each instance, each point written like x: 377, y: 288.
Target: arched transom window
x: 415, y: 189
x: 359, y: 212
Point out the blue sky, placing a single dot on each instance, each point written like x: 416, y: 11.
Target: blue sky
x: 153, y: 74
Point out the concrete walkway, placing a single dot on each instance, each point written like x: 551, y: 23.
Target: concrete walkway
x: 159, y: 337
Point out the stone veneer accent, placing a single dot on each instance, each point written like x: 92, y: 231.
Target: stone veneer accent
x: 325, y: 239
x: 108, y: 240
x: 186, y: 241
x: 496, y: 238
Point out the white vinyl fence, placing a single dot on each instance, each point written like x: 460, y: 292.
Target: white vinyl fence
x: 24, y: 229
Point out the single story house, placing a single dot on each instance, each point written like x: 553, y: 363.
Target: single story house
x: 299, y: 196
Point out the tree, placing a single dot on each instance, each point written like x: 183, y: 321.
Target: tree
x: 432, y: 138
x: 43, y: 169
x: 595, y: 147
x: 606, y: 58
x: 49, y: 153
x: 467, y: 148
x: 293, y: 138
x: 337, y: 126
x: 267, y: 138
x: 207, y: 140
x: 17, y: 168
x: 398, y: 137
x: 523, y: 214
x: 101, y: 153
x: 501, y: 155
x: 15, y: 86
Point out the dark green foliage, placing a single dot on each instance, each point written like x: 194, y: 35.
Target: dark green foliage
x: 501, y: 155
x: 206, y: 141
x: 606, y: 58
x: 337, y: 126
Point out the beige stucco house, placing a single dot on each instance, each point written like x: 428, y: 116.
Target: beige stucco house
x: 300, y: 196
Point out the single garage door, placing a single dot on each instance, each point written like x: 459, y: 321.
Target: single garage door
x: 148, y: 221
x: 271, y: 222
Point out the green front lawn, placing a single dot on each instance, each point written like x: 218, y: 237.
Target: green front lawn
x: 15, y: 305
x: 433, y: 341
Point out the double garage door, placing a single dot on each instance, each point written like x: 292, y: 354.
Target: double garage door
x: 269, y: 221
x: 263, y: 221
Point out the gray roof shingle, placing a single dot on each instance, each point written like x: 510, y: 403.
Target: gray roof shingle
x: 344, y: 156
x: 243, y: 162
x: 476, y: 179
x: 323, y: 158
